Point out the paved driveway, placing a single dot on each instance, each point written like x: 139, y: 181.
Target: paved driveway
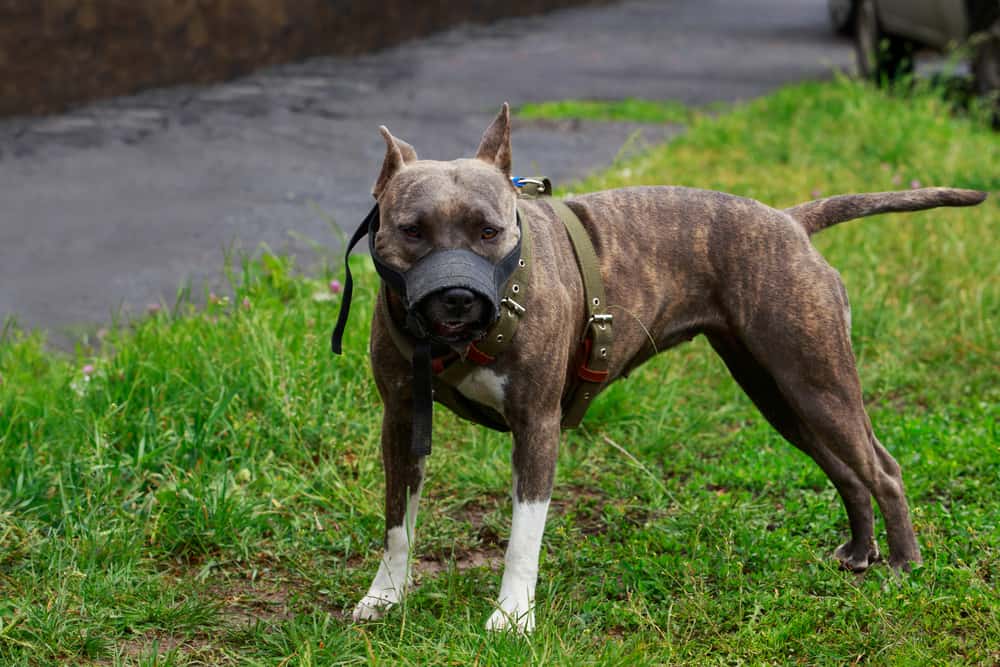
x: 115, y: 204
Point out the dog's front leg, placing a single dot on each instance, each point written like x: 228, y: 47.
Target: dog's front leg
x: 403, y: 479
x: 534, y: 461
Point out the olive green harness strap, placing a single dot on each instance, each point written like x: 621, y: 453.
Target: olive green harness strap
x: 592, y: 365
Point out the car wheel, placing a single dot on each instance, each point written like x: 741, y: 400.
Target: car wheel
x: 882, y: 57
x: 841, y: 14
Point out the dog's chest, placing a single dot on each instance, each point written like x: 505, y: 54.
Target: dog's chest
x: 485, y: 386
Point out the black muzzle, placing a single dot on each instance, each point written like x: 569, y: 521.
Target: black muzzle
x: 439, y: 271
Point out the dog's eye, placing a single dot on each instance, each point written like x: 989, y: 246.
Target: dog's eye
x: 490, y: 233
x: 411, y: 231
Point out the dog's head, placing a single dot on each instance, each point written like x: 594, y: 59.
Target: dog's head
x: 467, y: 205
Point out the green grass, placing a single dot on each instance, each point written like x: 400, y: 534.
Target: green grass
x: 631, y: 109
x: 211, y: 492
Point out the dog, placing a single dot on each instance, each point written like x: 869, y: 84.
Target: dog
x: 675, y: 262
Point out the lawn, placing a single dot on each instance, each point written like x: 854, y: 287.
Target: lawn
x: 204, y: 486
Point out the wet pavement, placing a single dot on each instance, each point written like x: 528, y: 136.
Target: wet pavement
x: 113, y: 205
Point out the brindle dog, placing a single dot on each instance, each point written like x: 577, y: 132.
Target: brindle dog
x: 676, y: 262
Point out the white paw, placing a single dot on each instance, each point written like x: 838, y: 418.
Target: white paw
x: 372, y: 607
x: 391, y: 580
x: 517, y: 618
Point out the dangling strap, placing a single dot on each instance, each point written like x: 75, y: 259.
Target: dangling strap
x: 423, y: 400
x: 336, y: 339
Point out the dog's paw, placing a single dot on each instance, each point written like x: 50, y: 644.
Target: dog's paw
x: 373, y: 607
x: 516, y: 619
x: 857, y: 559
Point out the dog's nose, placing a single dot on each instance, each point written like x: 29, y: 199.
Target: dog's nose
x: 458, y: 300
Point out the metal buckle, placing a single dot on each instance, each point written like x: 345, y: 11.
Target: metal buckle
x: 600, y: 319
x: 513, y: 305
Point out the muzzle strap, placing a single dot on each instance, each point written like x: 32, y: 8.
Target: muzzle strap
x: 423, y: 400
x: 336, y: 339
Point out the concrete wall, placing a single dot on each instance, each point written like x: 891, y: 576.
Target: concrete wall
x: 54, y: 53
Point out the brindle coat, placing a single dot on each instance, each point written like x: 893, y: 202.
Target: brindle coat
x: 681, y: 262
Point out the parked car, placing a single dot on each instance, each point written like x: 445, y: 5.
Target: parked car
x: 887, y: 32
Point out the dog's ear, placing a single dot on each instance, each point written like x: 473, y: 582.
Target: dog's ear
x: 495, y: 145
x: 398, y: 153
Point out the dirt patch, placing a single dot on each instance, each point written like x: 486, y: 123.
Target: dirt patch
x: 244, y: 597
x: 196, y: 650
x: 466, y: 560
x: 475, y: 511
x: 585, y: 504
x: 245, y: 592
x: 245, y: 602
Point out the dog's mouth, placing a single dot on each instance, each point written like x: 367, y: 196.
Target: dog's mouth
x: 455, y: 315
x: 456, y: 331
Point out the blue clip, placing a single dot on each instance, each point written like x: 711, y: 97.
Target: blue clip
x: 521, y: 181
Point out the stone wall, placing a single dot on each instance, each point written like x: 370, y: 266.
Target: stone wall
x: 54, y: 53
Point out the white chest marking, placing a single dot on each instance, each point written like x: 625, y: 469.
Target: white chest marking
x: 485, y: 386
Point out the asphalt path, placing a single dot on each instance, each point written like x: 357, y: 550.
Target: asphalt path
x: 110, y: 207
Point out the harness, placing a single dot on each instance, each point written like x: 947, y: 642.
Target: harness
x: 436, y: 378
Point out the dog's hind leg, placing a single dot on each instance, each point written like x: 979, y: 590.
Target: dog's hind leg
x: 804, y: 343
x: 861, y: 550
x: 403, y: 480
x: 837, y: 417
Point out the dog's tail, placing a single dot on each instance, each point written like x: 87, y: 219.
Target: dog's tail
x: 817, y: 215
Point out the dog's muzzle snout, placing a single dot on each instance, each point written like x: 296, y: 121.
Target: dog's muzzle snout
x: 458, y: 301
x: 455, y: 314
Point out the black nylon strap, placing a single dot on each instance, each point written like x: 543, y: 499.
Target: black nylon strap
x: 423, y: 400
x: 336, y: 339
